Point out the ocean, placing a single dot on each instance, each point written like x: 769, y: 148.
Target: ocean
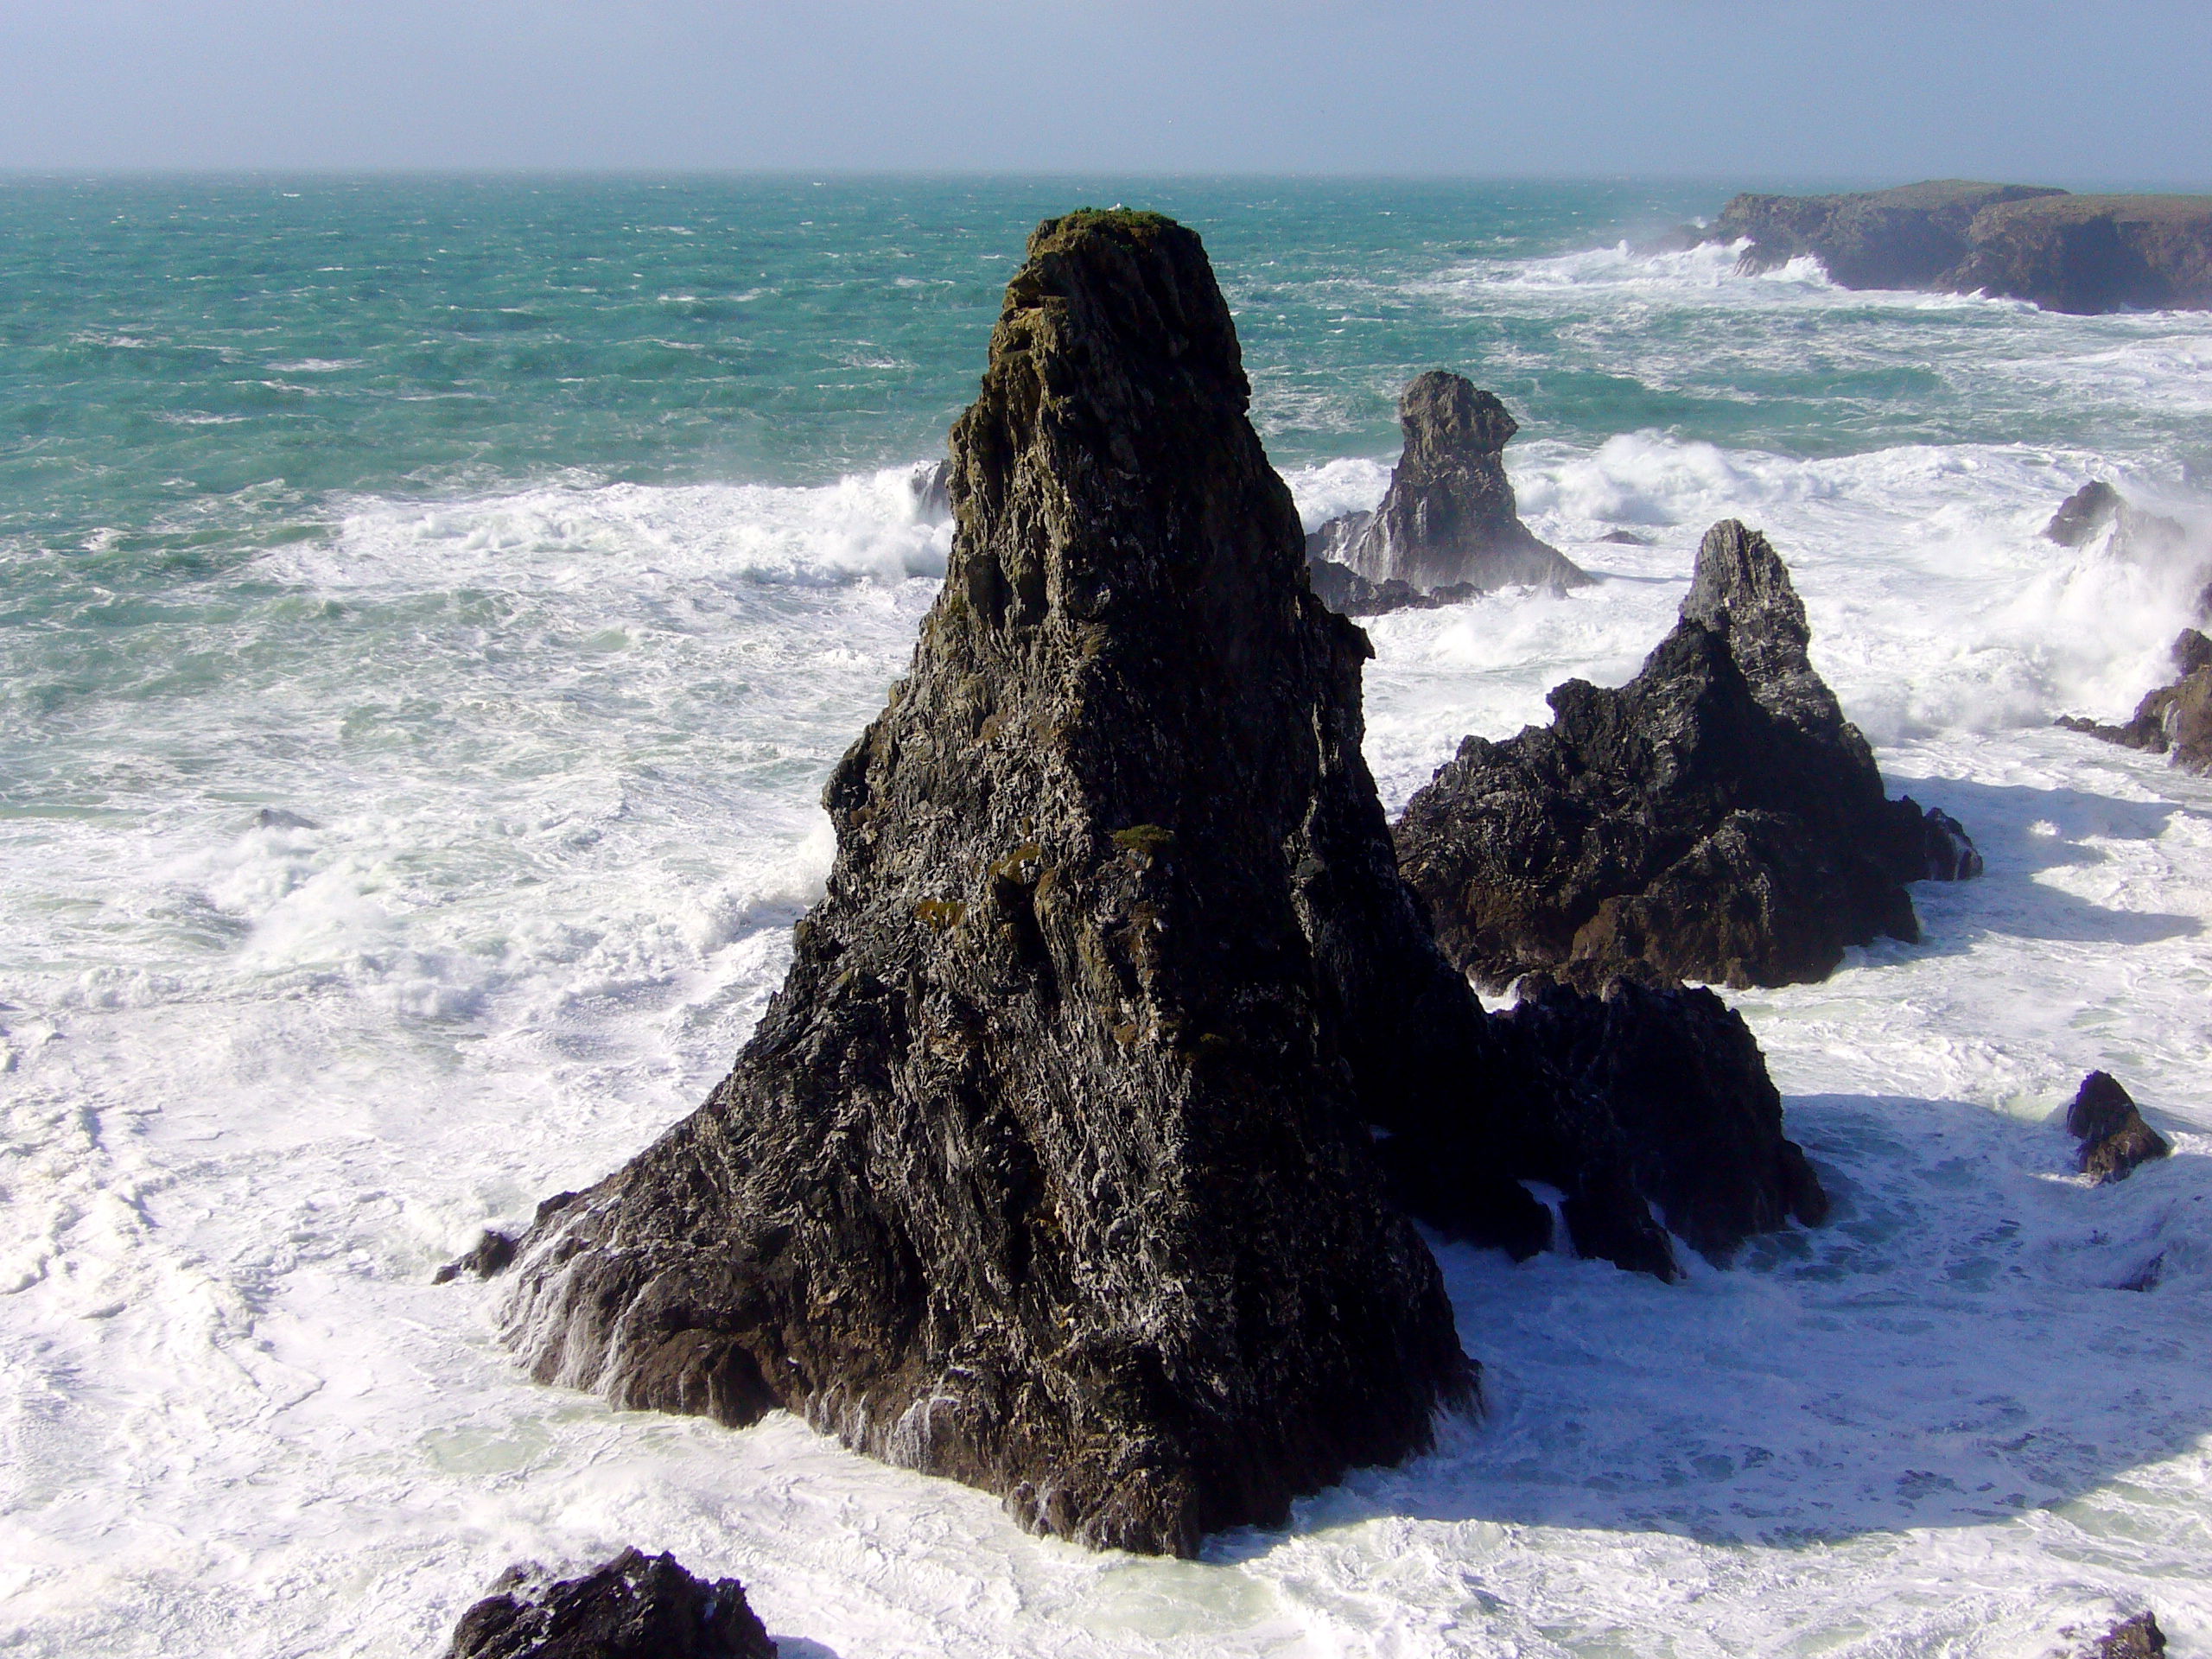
x: 428, y: 610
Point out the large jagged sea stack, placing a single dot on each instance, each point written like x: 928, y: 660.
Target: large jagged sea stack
x: 1048, y: 1170
x: 1716, y: 818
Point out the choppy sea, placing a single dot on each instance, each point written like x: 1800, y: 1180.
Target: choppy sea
x: 429, y: 609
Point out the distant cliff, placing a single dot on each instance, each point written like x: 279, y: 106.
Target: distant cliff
x: 2064, y: 252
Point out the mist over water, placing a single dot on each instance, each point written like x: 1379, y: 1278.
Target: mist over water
x: 427, y: 612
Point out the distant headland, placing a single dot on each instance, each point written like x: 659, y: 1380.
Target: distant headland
x: 2083, y: 254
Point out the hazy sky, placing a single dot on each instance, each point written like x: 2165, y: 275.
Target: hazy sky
x: 2085, y: 92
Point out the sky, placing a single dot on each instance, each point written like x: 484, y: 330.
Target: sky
x: 2068, y: 92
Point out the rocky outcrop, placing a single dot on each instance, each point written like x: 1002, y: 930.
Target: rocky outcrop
x: 1449, y: 521
x: 493, y: 1253
x: 1716, y: 818
x: 2113, y: 1136
x: 2097, y: 509
x: 2139, y: 1637
x: 2090, y: 254
x: 1910, y: 237
x: 1347, y: 592
x: 2174, y: 720
x: 637, y: 1607
x: 2064, y: 252
x: 1048, y: 1170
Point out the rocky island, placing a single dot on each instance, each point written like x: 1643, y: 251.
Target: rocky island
x: 2063, y: 252
x: 1716, y: 818
x: 1448, y: 527
x: 1074, y: 1159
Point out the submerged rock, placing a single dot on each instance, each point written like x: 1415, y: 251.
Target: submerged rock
x: 1048, y: 1169
x: 637, y: 1607
x: 1716, y: 818
x: 2176, y: 719
x: 1448, y: 520
x: 2113, y: 1136
x: 2139, y: 1637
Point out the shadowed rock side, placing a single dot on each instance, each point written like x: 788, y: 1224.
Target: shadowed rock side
x: 1716, y: 818
x: 2097, y: 509
x: 2174, y: 719
x: 1448, y: 525
x: 2114, y: 1138
x: 2064, y: 252
x: 1048, y: 1168
x: 637, y: 1607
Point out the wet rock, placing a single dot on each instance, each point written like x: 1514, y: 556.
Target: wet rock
x: 492, y: 1254
x: 1716, y: 818
x: 1049, y: 1167
x: 929, y: 483
x: 1345, y: 591
x: 1679, y: 1073
x: 637, y: 1607
x: 1333, y: 541
x: 275, y: 818
x: 2113, y: 1136
x: 2174, y: 720
x: 2097, y: 508
x: 1449, y: 518
x: 2139, y: 1637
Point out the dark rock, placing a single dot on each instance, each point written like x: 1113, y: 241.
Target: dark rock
x: 2090, y: 254
x: 492, y: 1254
x: 2113, y: 1136
x: 2097, y: 507
x: 1910, y: 237
x: 2174, y: 720
x: 1716, y: 818
x: 637, y: 1607
x: 2139, y: 1637
x: 1048, y: 1169
x: 1681, y: 1074
x: 1625, y: 538
x: 275, y: 818
x: 1449, y: 517
x: 2064, y: 252
x: 1345, y: 591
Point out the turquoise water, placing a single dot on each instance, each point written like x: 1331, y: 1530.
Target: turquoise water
x: 191, y: 370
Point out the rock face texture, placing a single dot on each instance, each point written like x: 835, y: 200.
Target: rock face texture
x: 1449, y: 521
x: 637, y: 1607
x: 1906, y: 237
x: 1716, y: 818
x: 1048, y: 1170
x: 2113, y: 1136
x: 2174, y: 720
x: 2064, y: 252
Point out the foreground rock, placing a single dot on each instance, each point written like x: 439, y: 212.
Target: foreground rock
x: 2064, y: 252
x: 1448, y: 523
x: 2176, y: 719
x: 1048, y: 1170
x: 1717, y: 818
x: 2114, y: 1138
x: 637, y: 1607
